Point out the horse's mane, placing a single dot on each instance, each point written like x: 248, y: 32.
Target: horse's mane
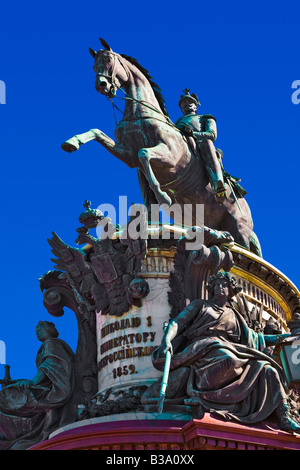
x: 155, y: 87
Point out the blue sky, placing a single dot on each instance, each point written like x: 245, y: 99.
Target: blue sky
x: 239, y: 58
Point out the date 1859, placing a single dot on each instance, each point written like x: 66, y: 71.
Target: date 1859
x: 125, y: 370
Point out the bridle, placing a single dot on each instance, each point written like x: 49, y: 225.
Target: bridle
x: 112, y: 77
x: 114, y: 88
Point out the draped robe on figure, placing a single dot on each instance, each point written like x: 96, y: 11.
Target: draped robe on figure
x: 229, y: 372
x: 27, y: 415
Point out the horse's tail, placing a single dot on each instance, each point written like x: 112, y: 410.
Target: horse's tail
x: 255, y: 245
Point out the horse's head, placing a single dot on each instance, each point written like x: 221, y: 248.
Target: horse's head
x: 110, y: 71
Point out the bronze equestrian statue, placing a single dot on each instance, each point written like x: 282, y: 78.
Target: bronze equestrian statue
x: 170, y: 169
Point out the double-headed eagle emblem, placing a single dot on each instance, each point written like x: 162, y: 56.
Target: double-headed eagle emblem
x: 103, y: 274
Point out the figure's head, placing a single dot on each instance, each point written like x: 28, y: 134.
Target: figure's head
x: 139, y: 288
x: 188, y: 103
x: 110, y: 71
x: 46, y: 329
x: 222, y: 284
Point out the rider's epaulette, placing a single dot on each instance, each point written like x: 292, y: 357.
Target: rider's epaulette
x: 208, y: 116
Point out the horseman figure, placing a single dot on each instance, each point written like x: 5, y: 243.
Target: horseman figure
x: 168, y: 162
x: 203, y: 129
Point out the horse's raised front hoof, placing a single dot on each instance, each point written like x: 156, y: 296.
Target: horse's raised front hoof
x: 70, y: 145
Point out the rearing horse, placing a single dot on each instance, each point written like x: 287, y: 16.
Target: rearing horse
x: 171, y: 171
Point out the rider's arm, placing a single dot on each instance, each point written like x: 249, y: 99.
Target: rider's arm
x: 209, y: 129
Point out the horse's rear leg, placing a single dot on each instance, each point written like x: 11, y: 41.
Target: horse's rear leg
x: 158, y: 153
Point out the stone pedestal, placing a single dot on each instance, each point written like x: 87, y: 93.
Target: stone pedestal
x: 162, y: 433
x: 123, y: 348
x: 125, y: 344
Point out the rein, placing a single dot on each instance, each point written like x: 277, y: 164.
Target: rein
x: 143, y: 103
x: 128, y: 97
x: 166, y: 121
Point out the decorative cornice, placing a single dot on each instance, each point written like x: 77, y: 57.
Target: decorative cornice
x: 269, y: 278
x: 159, y: 434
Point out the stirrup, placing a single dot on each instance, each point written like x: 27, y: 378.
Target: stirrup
x: 220, y: 191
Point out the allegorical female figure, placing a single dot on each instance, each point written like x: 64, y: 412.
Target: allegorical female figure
x: 29, y: 409
x: 219, y: 363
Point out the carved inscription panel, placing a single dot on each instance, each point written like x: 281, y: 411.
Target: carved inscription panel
x: 125, y: 344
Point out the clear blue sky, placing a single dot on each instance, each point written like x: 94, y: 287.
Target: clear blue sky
x: 241, y: 59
